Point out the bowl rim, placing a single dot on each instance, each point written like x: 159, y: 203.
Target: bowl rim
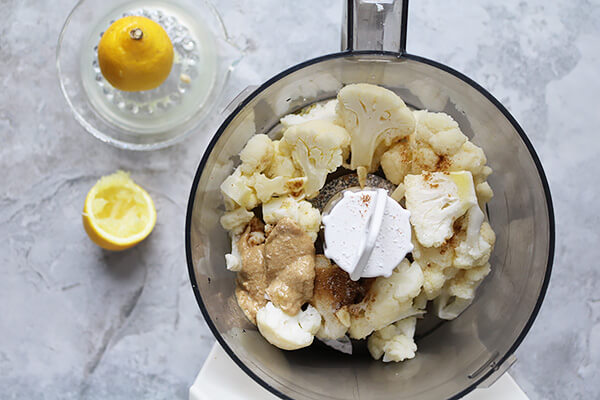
x: 399, y: 56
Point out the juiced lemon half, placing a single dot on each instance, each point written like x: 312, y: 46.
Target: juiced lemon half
x: 118, y: 213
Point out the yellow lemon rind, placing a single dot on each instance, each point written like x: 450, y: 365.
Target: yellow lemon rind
x: 105, y: 239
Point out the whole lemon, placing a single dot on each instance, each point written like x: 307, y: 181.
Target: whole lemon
x: 135, y: 53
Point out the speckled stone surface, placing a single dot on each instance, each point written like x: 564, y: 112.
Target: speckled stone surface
x: 77, y: 322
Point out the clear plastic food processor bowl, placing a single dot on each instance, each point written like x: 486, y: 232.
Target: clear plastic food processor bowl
x: 458, y: 355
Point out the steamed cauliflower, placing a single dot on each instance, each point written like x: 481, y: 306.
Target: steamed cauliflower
x: 263, y: 174
x: 458, y: 293
x: 236, y: 220
x: 470, y: 158
x: 257, y: 154
x: 387, y: 301
x: 435, y: 200
x: 282, y: 164
x: 437, y: 145
x: 248, y: 191
x: 318, y: 111
x: 463, y: 240
x: 394, y: 342
x: 442, y: 256
x: 233, y: 260
x: 439, y: 174
x: 469, y: 248
x: 317, y: 148
x: 301, y: 211
x: 474, y: 242
x: 434, y: 279
x: 237, y: 188
x: 285, y: 331
x: 442, y: 265
x: 439, y: 131
x: 397, y: 162
x: 484, y: 193
x: 267, y: 188
x: 375, y: 117
x: 464, y: 283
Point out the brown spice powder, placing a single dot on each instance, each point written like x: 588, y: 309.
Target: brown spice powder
x: 443, y: 164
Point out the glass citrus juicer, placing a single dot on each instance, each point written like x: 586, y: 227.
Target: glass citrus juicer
x: 454, y: 357
x: 146, y: 120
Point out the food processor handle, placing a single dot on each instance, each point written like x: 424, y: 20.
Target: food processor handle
x: 378, y: 25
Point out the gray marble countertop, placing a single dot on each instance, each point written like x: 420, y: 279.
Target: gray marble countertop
x: 78, y: 322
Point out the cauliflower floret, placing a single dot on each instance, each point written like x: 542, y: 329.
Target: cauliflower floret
x: 435, y: 200
x: 470, y: 246
x: 237, y: 188
x: 465, y: 282
x: 397, y: 162
x: 266, y: 188
x: 248, y: 186
x: 436, y: 138
x: 282, y: 164
x: 249, y: 191
x: 264, y: 172
x: 317, y: 148
x: 469, y: 158
x: 484, y: 193
x: 285, y: 331
x: 331, y: 327
x: 459, y: 292
x: 434, y: 279
x: 481, y: 177
x: 257, y: 154
x: 442, y: 256
x: 475, y: 242
x: 375, y: 117
x: 439, y: 264
x: 301, y: 211
x: 233, y: 260
x: 236, y: 220
x: 388, y: 300
x: 436, y: 145
x: 439, y: 131
x: 395, y: 342
x: 420, y: 302
x: 317, y: 111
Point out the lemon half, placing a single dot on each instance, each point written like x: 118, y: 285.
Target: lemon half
x: 135, y: 53
x: 118, y: 213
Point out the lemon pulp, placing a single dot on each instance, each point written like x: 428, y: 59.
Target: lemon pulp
x: 118, y: 213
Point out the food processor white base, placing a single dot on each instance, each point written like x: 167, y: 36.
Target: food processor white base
x: 221, y: 378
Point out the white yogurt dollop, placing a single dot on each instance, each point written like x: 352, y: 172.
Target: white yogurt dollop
x: 367, y: 233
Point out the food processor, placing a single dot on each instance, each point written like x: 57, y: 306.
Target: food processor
x: 454, y: 357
